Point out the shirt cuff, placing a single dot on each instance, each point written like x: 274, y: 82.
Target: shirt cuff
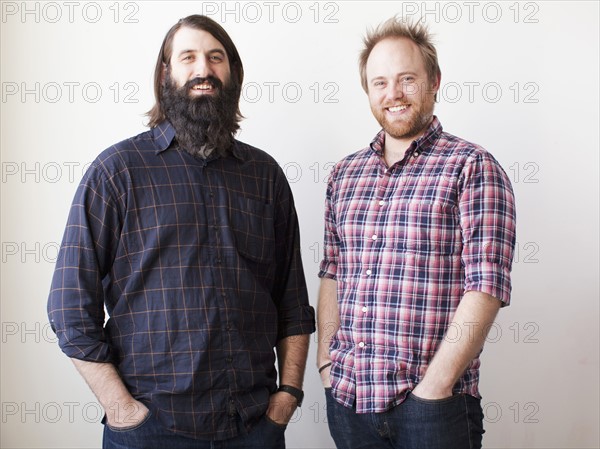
x: 303, y: 325
x: 328, y: 270
x: 491, y: 278
x: 78, y: 345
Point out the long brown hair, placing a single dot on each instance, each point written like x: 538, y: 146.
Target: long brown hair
x: 156, y: 114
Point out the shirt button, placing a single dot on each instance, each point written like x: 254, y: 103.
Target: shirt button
x: 374, y: 237
x: 229, y: 360
x: 361, y: 344
x: 382, y: 203
x: 369, y: 272
x: 364, y: 309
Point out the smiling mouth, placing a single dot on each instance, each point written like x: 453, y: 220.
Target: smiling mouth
x: 202, y: 87
x: 397, y: 108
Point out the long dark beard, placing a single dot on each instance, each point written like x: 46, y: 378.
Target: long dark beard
x: 205, y: 124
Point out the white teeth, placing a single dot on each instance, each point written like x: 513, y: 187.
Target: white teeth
x: 202, y: 87
x: 397, y: 108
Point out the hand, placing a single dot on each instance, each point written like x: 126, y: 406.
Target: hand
x: 126, y: 414
x: 281, y: 407
x: 423, y: 391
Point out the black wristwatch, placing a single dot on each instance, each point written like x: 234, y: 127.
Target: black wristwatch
x: 298, y: 394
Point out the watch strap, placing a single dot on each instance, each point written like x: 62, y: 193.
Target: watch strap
x: 298, y: 394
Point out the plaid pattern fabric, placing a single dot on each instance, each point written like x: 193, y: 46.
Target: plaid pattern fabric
x: 198, y: 264
x: 404, y: 244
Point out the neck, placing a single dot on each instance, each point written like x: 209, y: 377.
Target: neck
x: 395, y: 148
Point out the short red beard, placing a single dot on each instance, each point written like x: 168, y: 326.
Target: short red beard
x: 411, y: 124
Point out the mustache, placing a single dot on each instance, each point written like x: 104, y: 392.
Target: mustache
x: 213, y: 81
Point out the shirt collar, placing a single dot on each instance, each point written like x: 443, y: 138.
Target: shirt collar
x: 421, y: 145
x: 164, y: 134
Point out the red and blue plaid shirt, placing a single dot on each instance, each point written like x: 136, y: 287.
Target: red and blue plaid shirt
x: 404, y: 244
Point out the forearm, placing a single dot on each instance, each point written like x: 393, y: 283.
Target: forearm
x: 292, y: 353
x: 328, y: 319
x: 120, y: 406
x: 464, y: 340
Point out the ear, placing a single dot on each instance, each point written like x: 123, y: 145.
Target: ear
x: 436, y: 84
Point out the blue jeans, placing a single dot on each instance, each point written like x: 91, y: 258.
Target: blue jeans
x: 149, y: 434
x: 452, y: 423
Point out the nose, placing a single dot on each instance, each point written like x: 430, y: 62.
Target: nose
x: 202, y: 67
x: 394, y: 91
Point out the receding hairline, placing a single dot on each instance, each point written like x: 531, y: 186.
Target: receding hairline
x: 415, y: 48
x: 414, y: 45
x: 397, y: 28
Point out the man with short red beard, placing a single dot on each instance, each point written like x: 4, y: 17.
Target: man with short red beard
x: 419, y: 242
x: 189, y: 239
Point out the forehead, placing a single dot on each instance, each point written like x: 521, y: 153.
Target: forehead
x: 192, y: 39
x: 395, y: 54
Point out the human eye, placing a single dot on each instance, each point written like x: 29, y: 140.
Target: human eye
x: 216, y: 57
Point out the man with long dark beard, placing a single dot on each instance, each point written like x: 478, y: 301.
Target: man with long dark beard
x: 189, y: 239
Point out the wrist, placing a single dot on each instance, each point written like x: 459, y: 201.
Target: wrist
x: 429, y: 390
x: 116, y: 396
x: 323, y: 360
x: 325, y: 374
x: 324, y: 366
x: 295, y: 392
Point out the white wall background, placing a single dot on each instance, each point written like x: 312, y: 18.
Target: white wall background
x: 519, y: 78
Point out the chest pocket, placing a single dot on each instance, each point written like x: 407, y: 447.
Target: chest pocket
x: 427, y: 227
x: 254, y: 229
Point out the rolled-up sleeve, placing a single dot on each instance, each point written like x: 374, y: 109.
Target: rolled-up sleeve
x: 488, y: 224
x: 76, y: 299
x: 295, y: 315
x: 331, y: 245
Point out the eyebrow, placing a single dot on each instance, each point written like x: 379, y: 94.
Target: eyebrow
x: 401, y: 74
x: 377, y: 78
x: 210, y: 52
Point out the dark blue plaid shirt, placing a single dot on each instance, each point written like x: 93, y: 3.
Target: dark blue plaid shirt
x: 198, y: 265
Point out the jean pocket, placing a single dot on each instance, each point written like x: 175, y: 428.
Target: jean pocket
x: 443, y: 401
x: 272, y: 423
x: 132, y: 427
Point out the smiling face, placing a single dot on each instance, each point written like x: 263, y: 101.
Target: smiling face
x: 199, y: 97
x: 400, y: 93
x: 198, y: 58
